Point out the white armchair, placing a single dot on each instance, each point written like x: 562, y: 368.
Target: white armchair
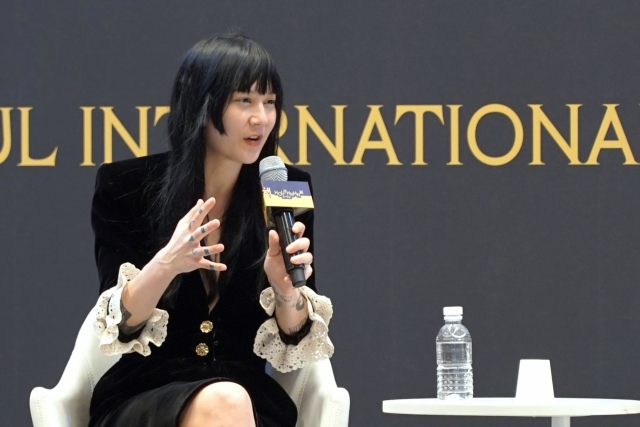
x: 320, y: 402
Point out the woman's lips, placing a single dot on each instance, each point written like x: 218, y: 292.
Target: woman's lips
x: 254, y: 142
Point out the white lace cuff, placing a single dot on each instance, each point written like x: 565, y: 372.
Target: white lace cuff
x: 108, y: 316
x: 312, y: 348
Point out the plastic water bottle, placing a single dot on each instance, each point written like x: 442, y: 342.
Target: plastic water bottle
x: 453, y: 352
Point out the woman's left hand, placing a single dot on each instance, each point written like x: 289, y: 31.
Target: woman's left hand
x: 274, y: 264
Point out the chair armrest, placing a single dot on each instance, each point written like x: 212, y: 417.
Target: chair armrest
x: 67, y: 404
x: 320, y: 402
x: 47, y: 410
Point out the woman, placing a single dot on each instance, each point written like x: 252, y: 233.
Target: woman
x: 195, y: 324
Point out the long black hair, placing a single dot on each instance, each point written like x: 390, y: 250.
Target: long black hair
x: 209, y: 74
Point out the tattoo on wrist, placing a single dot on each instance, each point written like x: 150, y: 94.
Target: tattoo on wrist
x: 299, y: 305
x: 282, y: 299
x: 298, y: 327
x: 126, y: 315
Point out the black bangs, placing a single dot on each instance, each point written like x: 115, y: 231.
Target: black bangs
x: 258, y: 69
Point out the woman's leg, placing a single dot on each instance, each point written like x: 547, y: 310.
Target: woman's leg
x: 221, y: 404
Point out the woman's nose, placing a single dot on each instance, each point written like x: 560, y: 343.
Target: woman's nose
x: 259, y: 115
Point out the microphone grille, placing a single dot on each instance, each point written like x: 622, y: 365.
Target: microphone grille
x: 272, y: 168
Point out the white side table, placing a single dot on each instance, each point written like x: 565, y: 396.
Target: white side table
x: 560, y: 410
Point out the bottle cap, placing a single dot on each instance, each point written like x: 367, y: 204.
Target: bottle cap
x: 452, y: 311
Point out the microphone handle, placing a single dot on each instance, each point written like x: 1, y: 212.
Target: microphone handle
x: 283, y: 219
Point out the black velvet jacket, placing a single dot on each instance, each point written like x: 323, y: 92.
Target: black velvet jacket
x: 122, y: 234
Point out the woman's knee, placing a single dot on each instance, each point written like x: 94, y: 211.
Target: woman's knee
x: 227, y: 395
x: 219, y: 401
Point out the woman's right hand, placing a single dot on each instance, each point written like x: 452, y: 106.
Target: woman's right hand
x: 184, y: 253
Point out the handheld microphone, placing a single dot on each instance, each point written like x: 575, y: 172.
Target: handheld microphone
x: 272, y: 168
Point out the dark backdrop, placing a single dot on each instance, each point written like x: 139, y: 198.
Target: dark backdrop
x: 543, y: 258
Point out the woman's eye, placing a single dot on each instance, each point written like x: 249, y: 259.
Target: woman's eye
x: 271, y: 102
x: 243, y: 100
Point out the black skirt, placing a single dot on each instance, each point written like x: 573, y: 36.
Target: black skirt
x: 162, y: 406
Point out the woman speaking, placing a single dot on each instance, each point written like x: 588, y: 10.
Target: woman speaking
x: 194, y: 292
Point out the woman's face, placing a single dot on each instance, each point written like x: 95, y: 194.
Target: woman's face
x: 248, y: 120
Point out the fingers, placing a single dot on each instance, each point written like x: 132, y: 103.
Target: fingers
x: 191, y: 212
x: 207, y: 250
x: 274, y: 244
x: 199, y: 212
x: 302, y: 245
x: 206, y: 264
x: 196, y: 214
x: 298, y: 228
x: 303, y: 258
x: 308, y: 270
x: 212, y: 266
x: 200, y: 232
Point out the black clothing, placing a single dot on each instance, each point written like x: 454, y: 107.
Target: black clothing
x: 152, y: 390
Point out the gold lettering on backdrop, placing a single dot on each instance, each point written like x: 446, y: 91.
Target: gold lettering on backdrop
x: 111, y: 123
x: 567, y: 143
x: 541, y: 120
x: 517, y: 139
x: 621, y: 143
x: 25, y: 158
x: 419, y: 112
x: 87, y: 136
x: 6, y: 133
x: 160, y: 112
x: 284, y: 124
x: 375, y: 121
x: 454, y: 128
x: 306, y: 122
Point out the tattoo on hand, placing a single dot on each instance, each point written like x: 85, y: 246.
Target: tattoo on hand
x: 298, y: 327
x: 191, y: 224
x: 191, y: 239
x: 126, y: 315
x: 282, y: 299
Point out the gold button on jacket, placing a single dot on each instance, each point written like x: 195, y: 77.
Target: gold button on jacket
x: 206, y: 326
x: 202, y: 349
